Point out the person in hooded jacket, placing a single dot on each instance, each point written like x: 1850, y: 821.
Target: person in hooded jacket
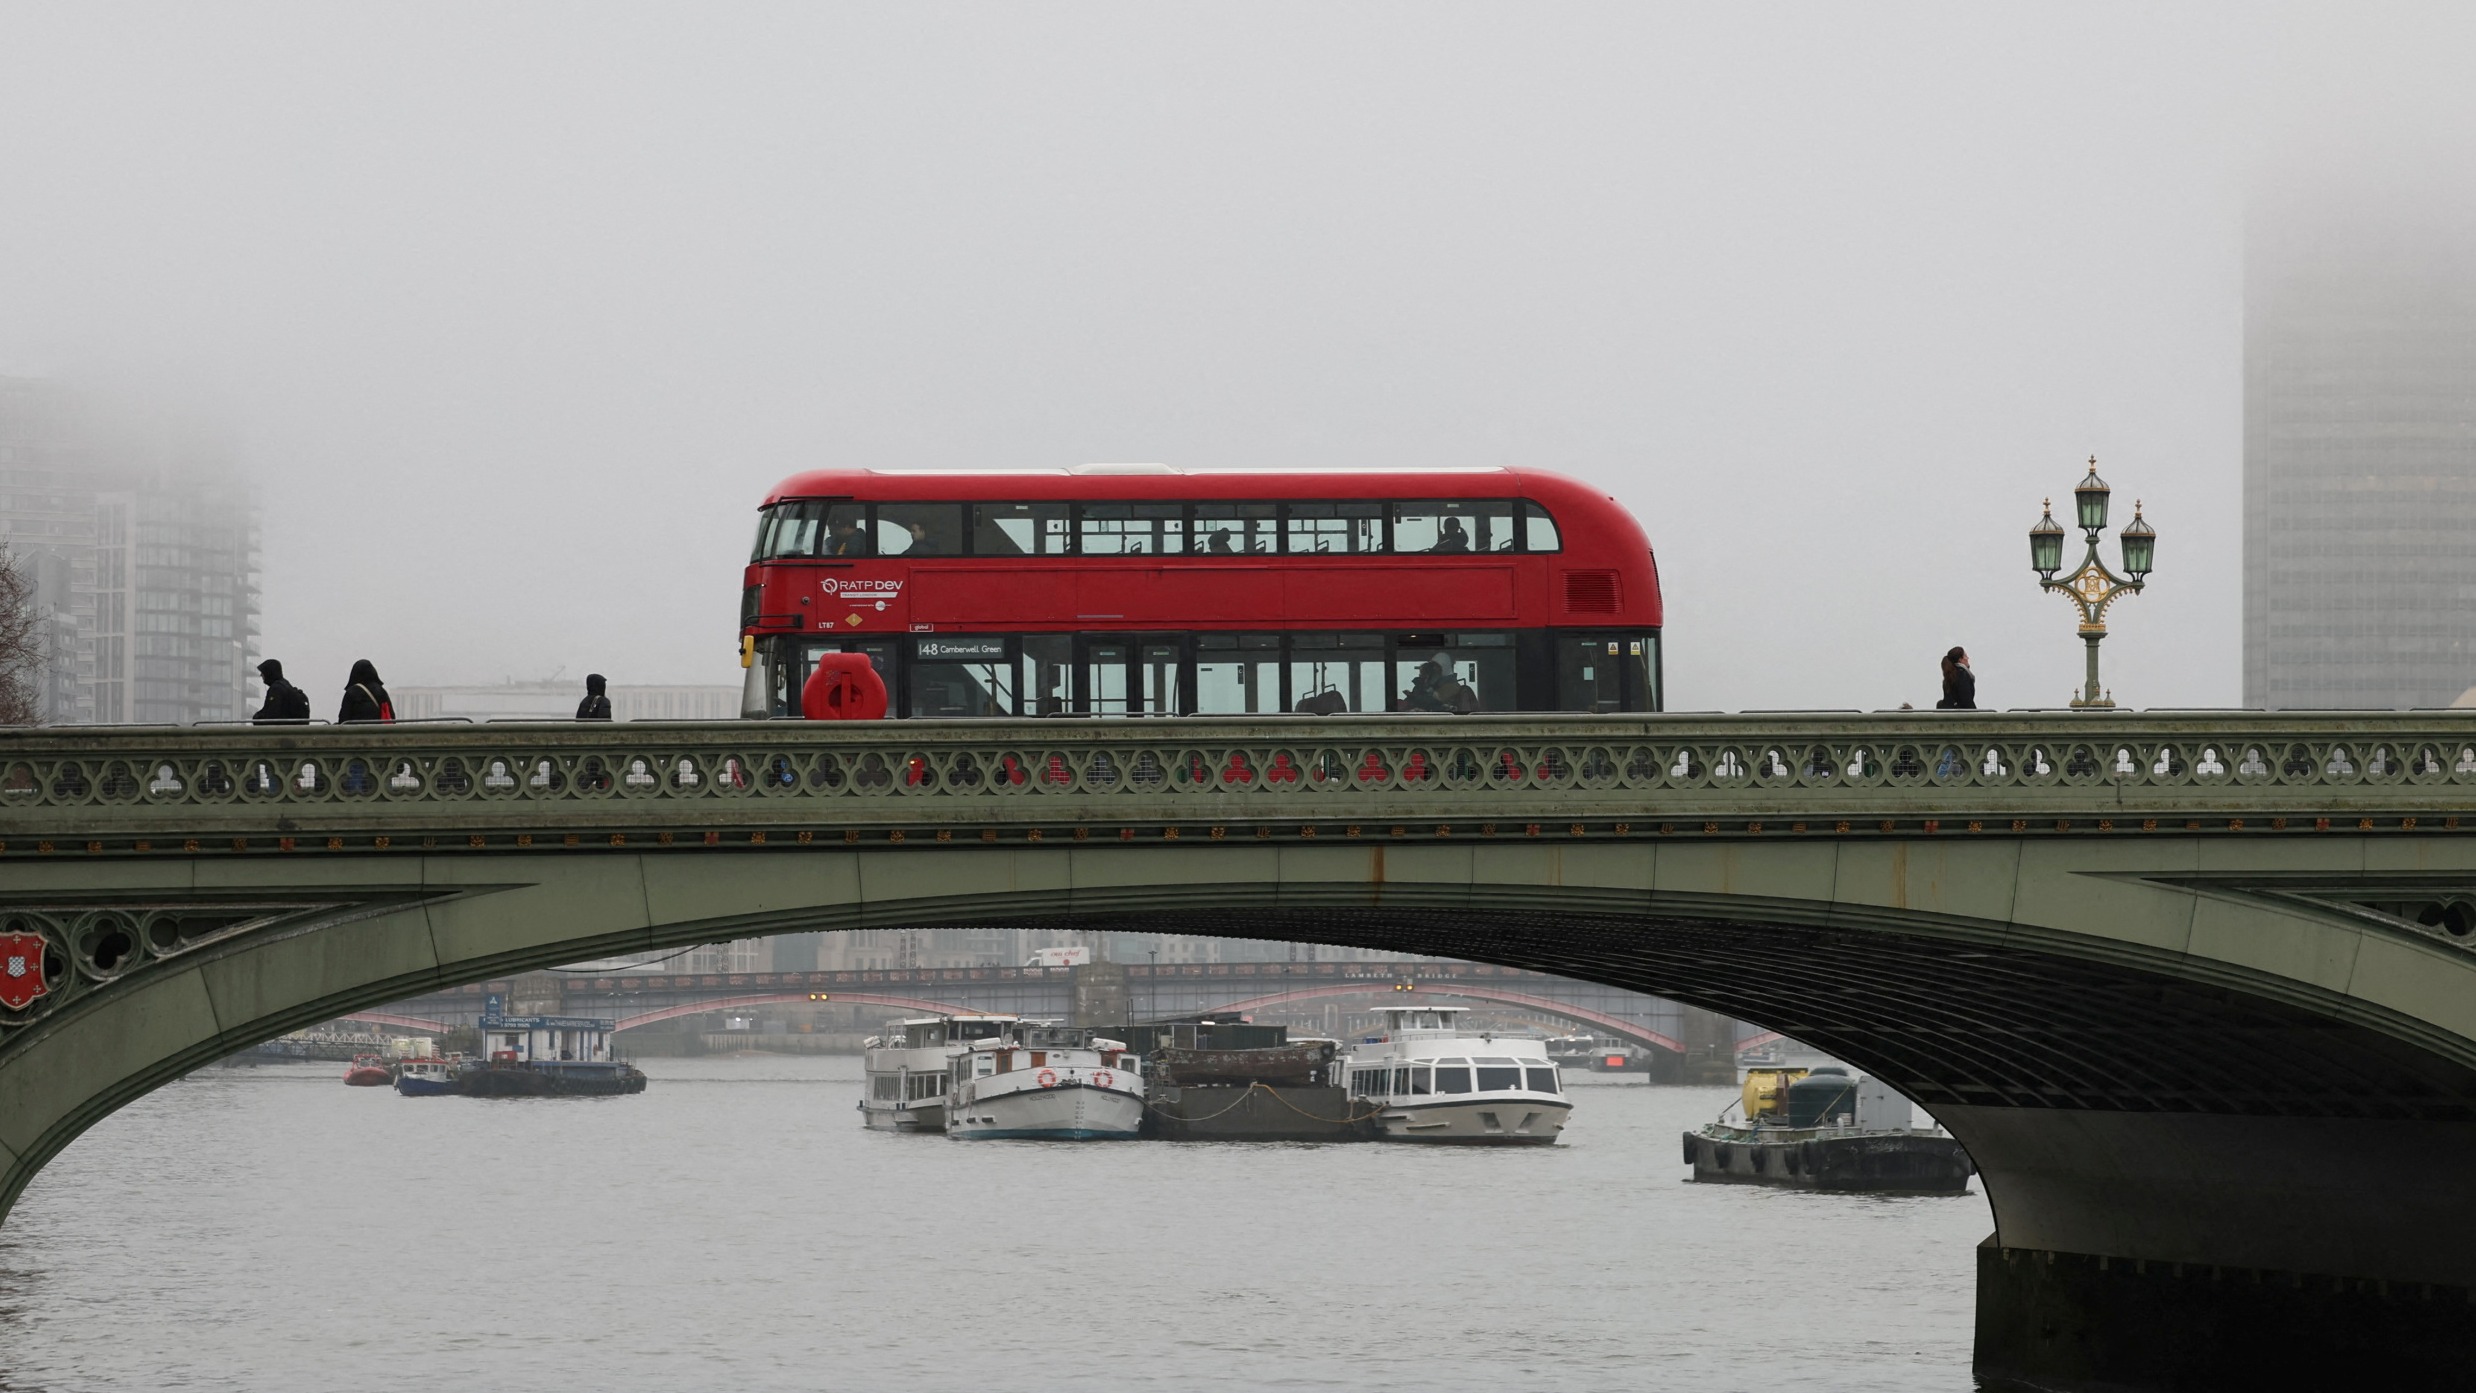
x: 596, y: 705
x: 1959, y: 683
x: 285, y: 702
x: 365, y: 697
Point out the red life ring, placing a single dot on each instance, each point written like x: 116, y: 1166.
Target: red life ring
x: 1101, y: 1079
x: 1048, y: 1078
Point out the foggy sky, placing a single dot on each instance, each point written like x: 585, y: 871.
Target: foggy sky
x: 517, y: 311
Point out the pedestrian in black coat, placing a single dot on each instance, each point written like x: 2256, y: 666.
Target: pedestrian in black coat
x: 596, y: 705
x: 285, y: 702
x: 1959, y: 684
x: 365, y: 697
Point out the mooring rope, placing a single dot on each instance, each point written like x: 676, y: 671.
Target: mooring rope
x: 1235, y: 1103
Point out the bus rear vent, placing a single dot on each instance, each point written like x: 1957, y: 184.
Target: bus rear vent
x: 1590, y: 592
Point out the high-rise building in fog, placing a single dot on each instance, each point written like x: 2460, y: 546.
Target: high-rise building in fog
x: 2359, y: 452
x: 145, y: 565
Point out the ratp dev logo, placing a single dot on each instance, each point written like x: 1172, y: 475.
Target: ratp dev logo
x: 858, y: 589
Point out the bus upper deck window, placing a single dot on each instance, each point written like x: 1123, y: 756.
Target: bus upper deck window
x: 1453, y: 527
x: 845, y: 532
x: 1538, y: 529
x: 1334, y: 528
x: 1020, y: 529
x: 919, y: 529
x: 790, y: 530
x: 1131, y: 529
x: 1229, y: 529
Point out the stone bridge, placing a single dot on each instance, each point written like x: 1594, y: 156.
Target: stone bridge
x: 2197, y: 991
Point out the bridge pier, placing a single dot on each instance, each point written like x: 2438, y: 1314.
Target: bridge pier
x: 2059, y: 1321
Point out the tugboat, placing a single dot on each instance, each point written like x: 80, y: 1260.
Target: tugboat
x: 1589, y: 1052
x: 369, y: 1071
x: 1046, y: 1081
x: 907, y: 1072
x: 1434, y: 1083
x: 428, y: 1078
x: 547, y: 1057
x: 1824, y: 1129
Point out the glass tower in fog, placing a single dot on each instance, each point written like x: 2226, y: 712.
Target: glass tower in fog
x: 144, y: 559
x: 2359, y: 453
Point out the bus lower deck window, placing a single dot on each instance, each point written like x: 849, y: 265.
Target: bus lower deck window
x: 1238, y: 675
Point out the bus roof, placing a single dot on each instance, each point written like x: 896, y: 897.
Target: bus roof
x: 1145, y: 481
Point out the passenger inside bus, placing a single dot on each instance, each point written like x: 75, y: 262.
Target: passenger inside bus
x: 1453, y: 539
x: 847, y: 539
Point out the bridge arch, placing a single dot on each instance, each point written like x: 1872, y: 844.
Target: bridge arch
x: 2177, y: 984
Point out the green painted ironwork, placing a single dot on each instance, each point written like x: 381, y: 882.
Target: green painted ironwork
x: 172, y: 786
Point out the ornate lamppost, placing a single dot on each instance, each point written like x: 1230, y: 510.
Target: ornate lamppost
x: 2093, y: 587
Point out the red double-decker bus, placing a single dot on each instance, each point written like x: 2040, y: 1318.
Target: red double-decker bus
x: 1141, y: 590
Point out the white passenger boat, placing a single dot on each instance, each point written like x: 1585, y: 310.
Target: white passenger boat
x: 1058, y: 1082
x: 1434, y: 1083
x: 907, y: 1070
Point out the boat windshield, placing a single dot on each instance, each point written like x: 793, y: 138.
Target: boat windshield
x: 1493, y: 1077
x: 1453, y: 1080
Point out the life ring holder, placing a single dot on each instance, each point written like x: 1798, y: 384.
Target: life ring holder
x: 1102, y: 1079
x: 1046, y: 1078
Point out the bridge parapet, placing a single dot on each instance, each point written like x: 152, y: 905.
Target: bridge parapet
x: 2024, y: 774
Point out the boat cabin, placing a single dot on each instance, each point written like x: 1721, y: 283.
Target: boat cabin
x: 1042, y: 1045
x: 1458, y: 1074
x: 1409, y: 1022
x: 545, y: 1039
x: 929, y: 1032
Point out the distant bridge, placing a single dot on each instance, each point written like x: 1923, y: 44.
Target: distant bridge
x: 1619, y: 1026
x: 2198, y: 991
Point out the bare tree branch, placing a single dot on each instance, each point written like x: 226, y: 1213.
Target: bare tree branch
x: 21, y: 645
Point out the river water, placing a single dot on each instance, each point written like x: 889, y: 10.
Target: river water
x: 734, y: 1227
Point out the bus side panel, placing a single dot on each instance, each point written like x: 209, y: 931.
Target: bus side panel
x: 949, y: 596
x: 1174, y: 596
x: 1447, y: 595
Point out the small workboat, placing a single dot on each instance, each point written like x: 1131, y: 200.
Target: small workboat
x: 1050, y: 1082
x: 547, y: 1057
x: 427, y: 1078
x: 369, y: 1071
x: 1825, y: 1129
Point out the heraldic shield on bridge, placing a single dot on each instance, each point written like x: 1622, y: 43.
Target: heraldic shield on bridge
x: 2197, y: 991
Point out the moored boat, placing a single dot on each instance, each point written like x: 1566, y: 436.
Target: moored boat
x: 1045, y: 1081
x: 1434, y: 1083
x: 1825, y: 1129
x: 547, y: 1057
x: 369, y: 1071
x: 427, y: 1078
x: 1298, y: 1062
x: 906, y: 1070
